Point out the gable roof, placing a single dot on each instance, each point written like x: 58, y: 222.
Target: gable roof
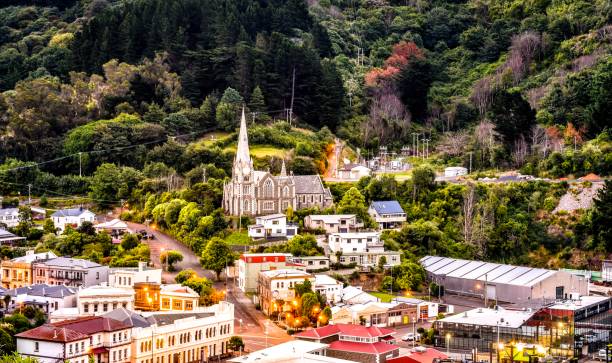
x: 345, y: 329
x: 308, y: 184
x: 387, y: 207
x: 271, y: 216
x: 93, y: 324
x: 128, y: 317
x: 43, y: 290
x: 367, y: 348
x: 419, y: 356
x: 9, y: 211
x: 29, y: 258
x: 71, y: 212
x: 70, y: 262
x: 8, y: 236
x: 52, y: 333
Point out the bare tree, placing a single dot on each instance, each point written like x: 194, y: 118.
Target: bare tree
x: 468, y: 212
x: 485, y: 137
x: 539, y: 140
x: 388, y: 116
x: 482, y: 94
x: 519, y: 154
x: 525, y: 47
x: 453, y: 143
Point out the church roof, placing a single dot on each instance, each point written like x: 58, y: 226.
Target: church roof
x: 308, y: 184
x: 242, y: 151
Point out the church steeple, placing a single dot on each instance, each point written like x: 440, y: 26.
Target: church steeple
x: 283, y: 169
x: 242, y: 163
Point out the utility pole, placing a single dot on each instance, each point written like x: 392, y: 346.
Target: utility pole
x: 292, y: 97
x: 470, y: 162
x: 29, y: 194
x: 80, y: 164
x: 423, y: 145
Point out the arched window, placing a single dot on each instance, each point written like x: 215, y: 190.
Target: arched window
x: 247, y: 205
x: 286, y: 191
x: 268, y: 188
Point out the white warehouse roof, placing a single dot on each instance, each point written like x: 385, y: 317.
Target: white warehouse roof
x: 476, y: 270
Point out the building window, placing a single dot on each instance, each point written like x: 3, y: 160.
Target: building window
x: 86, y: 308
x: 286, y: 191
x: 178, y: 304
x: 36, y: 347
x: 166, y: 303
x: 268, y: 188
x: 268, y: 205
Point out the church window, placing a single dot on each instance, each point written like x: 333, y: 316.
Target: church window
x: 286, y: 191
x: 247, y: 205
x: 268, y: 188
x: 268, y: 205
x: 245, y: 189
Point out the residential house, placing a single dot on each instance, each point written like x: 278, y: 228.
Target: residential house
x: 69, y: 271
x: 8, y: 238
x: 128, y: 276
x: 420, y: 354
x: 371, y: 313
x: 356, y: 295
x: 251, y: 264
x: 276, y: 289
x: 45, y: 297
x: 388, y: 214
x: 115, y: 227
x: 18, y: 271
x: 73, y: 217
x: 201, y: 335
x: 364, y: 344
x: 364, y: 249
x: 9, y: 217
x: 425, y: 309
x: 178, y: 297
x: 106, y: 340
x: 329, y: 287
x: 272, y: 226
x: 50, y: 344
x: 353, y: 171
x: 312, y: 263
x: 333, y: 223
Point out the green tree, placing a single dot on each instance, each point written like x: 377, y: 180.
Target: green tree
x: 257, y: 102
x: 353, y: 202
x: 169, y: 258
x: 235, y: 344
x: 308, y: 303
x: 303, y: 288
x: 512, y: 116
x: 184, y: 275
x: 7, y: 345
x: 129, y: 241
x: 601, y: 218
x: 15, y: 357
x: 216, y: 256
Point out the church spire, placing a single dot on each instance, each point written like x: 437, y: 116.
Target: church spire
x: 242, y: 152
x: 283, y: 169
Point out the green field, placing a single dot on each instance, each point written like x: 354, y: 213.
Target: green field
x: 262, y: 151
x: 212, y: 137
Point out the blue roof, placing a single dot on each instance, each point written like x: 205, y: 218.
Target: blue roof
x: 72, y: 212
x: 387, y: 207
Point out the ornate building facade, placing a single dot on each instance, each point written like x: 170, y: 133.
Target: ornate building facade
x: 253, y: 192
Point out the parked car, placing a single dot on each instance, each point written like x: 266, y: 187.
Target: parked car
x: 601, y: 354
x: 411, y: 336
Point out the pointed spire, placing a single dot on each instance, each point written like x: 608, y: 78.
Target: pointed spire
x: 242, y: 152
x: 283, y: 169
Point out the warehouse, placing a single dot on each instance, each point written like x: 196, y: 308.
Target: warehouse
x: 505, y: 283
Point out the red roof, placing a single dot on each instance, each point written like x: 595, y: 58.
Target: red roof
x: 53, y: 334
x: 419, y: 357
x: 591, y: 177
x: 368, y: 348
x: 345, y: 329
x: 99, y: 350
x: 261, y: 258
x: 92, y: 324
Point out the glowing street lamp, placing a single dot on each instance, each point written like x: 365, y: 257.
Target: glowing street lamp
x: 448, y: 337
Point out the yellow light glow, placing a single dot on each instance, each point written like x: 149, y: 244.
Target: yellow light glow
x: 540, y: 349
x: 520, y: 346
x: 288, y: 316
x: 448, y: 335
x: 294, y: 302
x: 500, y: 346
x: 560, y: 325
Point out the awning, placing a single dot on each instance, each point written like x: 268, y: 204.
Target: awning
x: 99, y: 350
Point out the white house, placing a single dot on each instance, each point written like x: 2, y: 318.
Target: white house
x: 355, y: 295
x: 115, y: 227
x: 98, y: 300
x: 71, y: 217
x: 329, y: 287
x: 272, y: 225
x: 353, y: 171
x: 126, y: 277
x: 46, y: 297
x: 388, y: 214
x: 311, y: 263
x: 364, y: 249
x: 453, y: 171
x: 9, y: 217
x: 333, y: 223
x: 276, y: 288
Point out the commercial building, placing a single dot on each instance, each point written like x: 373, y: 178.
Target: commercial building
x: 329, y: 287
x: 18, y: 271
x: 333, y: 223
x: 561, y: 329
x: 311, y: 263
x: 69, y: 271
x: 272, y: 226
x: 105, y: 340
x: 201, y: 335
x: 251, y: 264
x: 388, y: 214
x: 507, y: 283
x: 128, y: 276
x: 364, y: 249
x: 98, y: 300
x: 356, y: 295
x: 45, y: 297
x: 354, y: 342
x: 157, y: 297
x: 276, y: 289
x: 294, y: 351
x: 72, y: 217
x: 425, y: 309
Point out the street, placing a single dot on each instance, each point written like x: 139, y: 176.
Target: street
x: 249, y: 323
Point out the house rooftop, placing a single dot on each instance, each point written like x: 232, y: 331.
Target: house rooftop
x: 71, y: 212
x: 70, y: 262
x: 355, y: 234
x: 357, y: 347
x: 93, y: 324
x: 583, y: 302
x: 280, y: 273
x: 8, y: 211
x: 387, y: 207
x: 491, y: 317
x: 322, y: 279
x: 43, y: 290
x: 353, y: 330
x: 101, y: 290
x: 271, y: 216
x: 284, y: 352
x: 330, y: 218
x: 52, y: 333
x: 31, y: 257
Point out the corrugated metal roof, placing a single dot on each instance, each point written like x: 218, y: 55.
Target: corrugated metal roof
x: 476, y: 270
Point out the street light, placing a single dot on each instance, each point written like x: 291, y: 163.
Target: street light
x: 448, y: 337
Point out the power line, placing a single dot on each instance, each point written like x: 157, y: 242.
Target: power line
x: 60, y: 194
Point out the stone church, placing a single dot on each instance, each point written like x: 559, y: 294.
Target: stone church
x: 253, y: 192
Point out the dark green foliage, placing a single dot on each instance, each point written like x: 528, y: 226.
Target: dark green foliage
x: 512, y: 116
x: 601, y: 218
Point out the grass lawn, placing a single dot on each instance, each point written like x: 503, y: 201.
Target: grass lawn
x: 239, y: 239
x: 212, y: 137
x: 383, y: 296
x: 261, y: 151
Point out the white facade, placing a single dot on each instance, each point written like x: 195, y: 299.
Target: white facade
x: 312, y: 263
x: 49, y: 351
x: 98, y: 300
x: 72, y: 217
x: 251, y: 264
x: 453, y: 171
x: 126, y: 277
x: 355, y: 295
x: 190, y: 339
x: 273, y: 225
x: 333, y: 223
x: 329, y: 287
x: 282, y: 282
x: 9, y: 216
x: 355, y: 242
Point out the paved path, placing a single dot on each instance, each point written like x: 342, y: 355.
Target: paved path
x: 249, y: 322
